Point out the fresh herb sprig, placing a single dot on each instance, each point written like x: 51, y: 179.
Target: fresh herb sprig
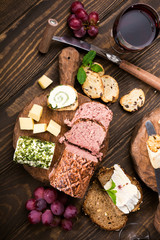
x: 87, y: 62
x: 111, y: 192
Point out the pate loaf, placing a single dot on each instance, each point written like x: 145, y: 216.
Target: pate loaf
x: 74, y: 171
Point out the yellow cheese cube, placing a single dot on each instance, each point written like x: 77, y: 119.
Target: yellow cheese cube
x: 26, y: 123
x: 44, y: 81
x: 36, y: 112
x: 39, y: 128
x: 54, y: 128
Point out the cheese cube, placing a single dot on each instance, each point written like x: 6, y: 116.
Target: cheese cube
x: 44, y: 81
x: 26, y: 123
x: 39, y: 128
x: 54, y: 128
x: 36, y: 112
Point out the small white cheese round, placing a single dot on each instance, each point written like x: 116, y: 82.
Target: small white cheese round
x: 62, y: 96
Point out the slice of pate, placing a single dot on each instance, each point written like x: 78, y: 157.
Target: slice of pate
x: 127, y: 194
x: 153, y: 147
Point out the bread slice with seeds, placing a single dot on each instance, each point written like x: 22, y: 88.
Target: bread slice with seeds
x: 93, y: 86
x: 134, y: 100
x: 100, y: 207
x: 101, y: 210
x: 111, y: 89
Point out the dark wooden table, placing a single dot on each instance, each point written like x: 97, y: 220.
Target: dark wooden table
x: 21, y: 27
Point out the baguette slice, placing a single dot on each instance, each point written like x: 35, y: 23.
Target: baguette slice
x: 100, y: 207
x: 93, y: 86
x: 100, y: 73
x: 132, y: 101
x: 111, y: 89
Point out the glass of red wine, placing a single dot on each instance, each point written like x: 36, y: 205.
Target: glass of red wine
x: 134, y: 231
x: 135, y: 28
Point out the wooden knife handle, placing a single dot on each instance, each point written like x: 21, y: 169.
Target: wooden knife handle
x: 157, y: 218
x: 49, y: 31
x: 69, y: 60
x: 141, y: 74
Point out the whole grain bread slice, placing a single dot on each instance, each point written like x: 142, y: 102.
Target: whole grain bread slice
x: 101, y: 210
x: 100, y: 207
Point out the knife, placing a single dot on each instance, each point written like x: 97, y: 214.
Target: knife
x: 151, y: 131
x: 49, y: 35
x: 127, y: 66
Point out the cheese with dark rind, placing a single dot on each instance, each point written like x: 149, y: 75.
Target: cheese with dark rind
x: 34, y: 152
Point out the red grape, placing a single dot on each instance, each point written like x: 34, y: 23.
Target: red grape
x: 93, y: 31
x: 47, y: 217
x: 93, y: 18
x: 41, y: 204
x: 75, y: 24
x: 76, y: 5
x: 70, y: 212
x: 50, y: 195
x: 81, y: 14
x: 38, y: 192
x: 34, y: 216
x: 62, y: 197
x: 80, y: 33
x: 66, y: 224
x: 31, y: 204
x: 57, y: 208
x: 71, y: 17
x: 56, y: 221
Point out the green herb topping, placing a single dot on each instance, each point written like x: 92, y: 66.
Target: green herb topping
x: 112, y: 193
x: 87, y: 62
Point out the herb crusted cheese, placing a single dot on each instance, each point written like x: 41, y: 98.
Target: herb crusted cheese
x: 34, y: 152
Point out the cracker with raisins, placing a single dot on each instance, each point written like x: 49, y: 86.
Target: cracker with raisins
x: 93, y: 86
x: 134, y: 100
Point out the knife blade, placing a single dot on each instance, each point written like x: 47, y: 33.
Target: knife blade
x: 87, y: 46
x: 123, y: 64
x: 151, y: 131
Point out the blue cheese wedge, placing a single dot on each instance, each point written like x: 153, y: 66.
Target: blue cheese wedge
x: 62, y: 96
x: 153, y: 147
x: 127, y: 194
x: 34, y: 152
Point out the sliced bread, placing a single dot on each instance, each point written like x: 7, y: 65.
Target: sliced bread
x: 101, y: 73
x: 101, y: 210
x: 100, y: 207
x: 105, y: 174
x: 111, y: 89
x: 93, y: 86
x: 134, y: 100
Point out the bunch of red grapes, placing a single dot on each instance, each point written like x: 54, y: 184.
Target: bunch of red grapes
x: 50, y: 207
x: 81, y: 23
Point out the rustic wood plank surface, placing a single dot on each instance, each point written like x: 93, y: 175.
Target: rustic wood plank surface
x: 21, y: 27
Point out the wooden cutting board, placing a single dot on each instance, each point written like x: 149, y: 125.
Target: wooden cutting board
x: 69, y: 61
x: 139, y: 149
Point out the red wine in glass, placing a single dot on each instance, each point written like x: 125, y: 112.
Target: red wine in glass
x: 136, y: 27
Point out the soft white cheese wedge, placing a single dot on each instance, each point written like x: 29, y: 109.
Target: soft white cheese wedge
x: 154, y: 158
x: 62, y: 96
x: 127, y: 195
